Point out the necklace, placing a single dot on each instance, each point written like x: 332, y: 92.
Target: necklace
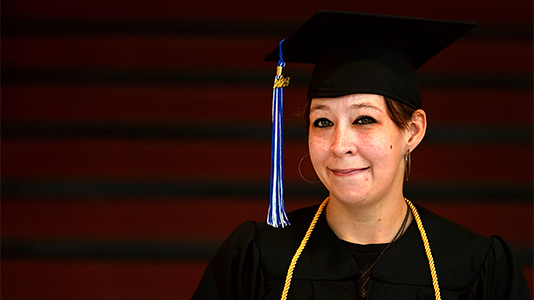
x: 304, y: 241
x: 366, y: 276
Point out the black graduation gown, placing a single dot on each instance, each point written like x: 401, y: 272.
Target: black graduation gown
x: 252, y: 264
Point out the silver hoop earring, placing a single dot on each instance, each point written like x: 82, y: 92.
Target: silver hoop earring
x: 407, y: 165
x: 300, y: 171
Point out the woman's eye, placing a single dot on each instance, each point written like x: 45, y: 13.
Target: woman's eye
x: 365, y: 120
x: 321, y: 123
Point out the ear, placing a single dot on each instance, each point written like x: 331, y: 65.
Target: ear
x: 417, y: 129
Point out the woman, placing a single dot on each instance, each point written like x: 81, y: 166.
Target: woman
x: 365, y: 241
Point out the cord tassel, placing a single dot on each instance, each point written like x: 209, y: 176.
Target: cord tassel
x: 277, y: 216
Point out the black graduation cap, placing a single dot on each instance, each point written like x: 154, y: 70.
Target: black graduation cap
x: 354, y: 53
x: 368, y: 53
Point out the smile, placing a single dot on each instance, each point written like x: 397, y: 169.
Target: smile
x: 348, y: 172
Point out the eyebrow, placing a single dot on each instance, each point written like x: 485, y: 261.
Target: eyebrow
x: 319, y: 107
x: 352, y: 107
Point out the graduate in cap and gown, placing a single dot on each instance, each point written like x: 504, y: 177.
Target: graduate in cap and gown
x: 366, y: 240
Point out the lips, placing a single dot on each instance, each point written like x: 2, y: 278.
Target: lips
x: 348, y: 172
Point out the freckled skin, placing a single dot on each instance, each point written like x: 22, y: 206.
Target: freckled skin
x: 358, y: 153
x: 350, y: 143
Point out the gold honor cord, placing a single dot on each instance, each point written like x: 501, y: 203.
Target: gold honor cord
x: 289, y: 275
x: 427, y: 249
x: 301, y: 247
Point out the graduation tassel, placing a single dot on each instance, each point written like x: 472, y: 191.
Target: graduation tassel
x: 277, y: 216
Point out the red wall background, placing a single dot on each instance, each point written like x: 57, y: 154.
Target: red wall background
x: 136, y: 135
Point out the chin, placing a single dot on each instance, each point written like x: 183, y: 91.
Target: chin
x: 351, y: 197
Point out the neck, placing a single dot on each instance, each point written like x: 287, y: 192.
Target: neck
x: 376, y: 223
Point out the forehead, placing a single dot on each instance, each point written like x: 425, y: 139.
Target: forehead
x: 349, y: 102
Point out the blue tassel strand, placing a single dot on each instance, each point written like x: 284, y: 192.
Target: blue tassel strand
x: 277, y: 216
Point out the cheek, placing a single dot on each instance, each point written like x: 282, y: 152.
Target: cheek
x: 319, y: 150
x: 315, y: 148
x: 392, y: 154
x: 316, y: 142
x: 374, y: 144
x: 382, y: 150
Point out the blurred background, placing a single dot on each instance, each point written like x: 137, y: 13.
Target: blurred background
x: 136, y: 135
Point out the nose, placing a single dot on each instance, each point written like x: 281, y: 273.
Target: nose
x: 343, y: 142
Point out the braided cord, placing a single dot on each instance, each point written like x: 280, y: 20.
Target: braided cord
x: 301, y: 248
x: 427, y: 249
x: 304, y: 241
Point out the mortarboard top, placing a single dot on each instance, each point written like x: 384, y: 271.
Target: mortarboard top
x: 368, y: 53
x: 354, y: 53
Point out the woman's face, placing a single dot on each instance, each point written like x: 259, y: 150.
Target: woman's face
x: 356, y: 149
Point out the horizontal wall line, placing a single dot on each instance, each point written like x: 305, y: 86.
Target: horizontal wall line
x: 80, y: 188
x: 13, y: 248
x: 436, y: 133
x: 176, y: 27
x: 29, y: 75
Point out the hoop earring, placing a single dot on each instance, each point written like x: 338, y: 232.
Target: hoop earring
x: 300, y: 171
x: 407, y: 165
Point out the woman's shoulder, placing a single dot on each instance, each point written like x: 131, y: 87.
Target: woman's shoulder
x: 287, y: 237
x: 455, y: 246
x: 451, y: 234
x: 462, y: 255
x: 262, y: 233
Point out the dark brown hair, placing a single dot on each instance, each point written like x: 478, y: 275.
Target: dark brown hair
x: 399, y: 113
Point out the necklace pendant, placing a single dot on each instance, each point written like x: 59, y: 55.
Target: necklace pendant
x: 364, y: 285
